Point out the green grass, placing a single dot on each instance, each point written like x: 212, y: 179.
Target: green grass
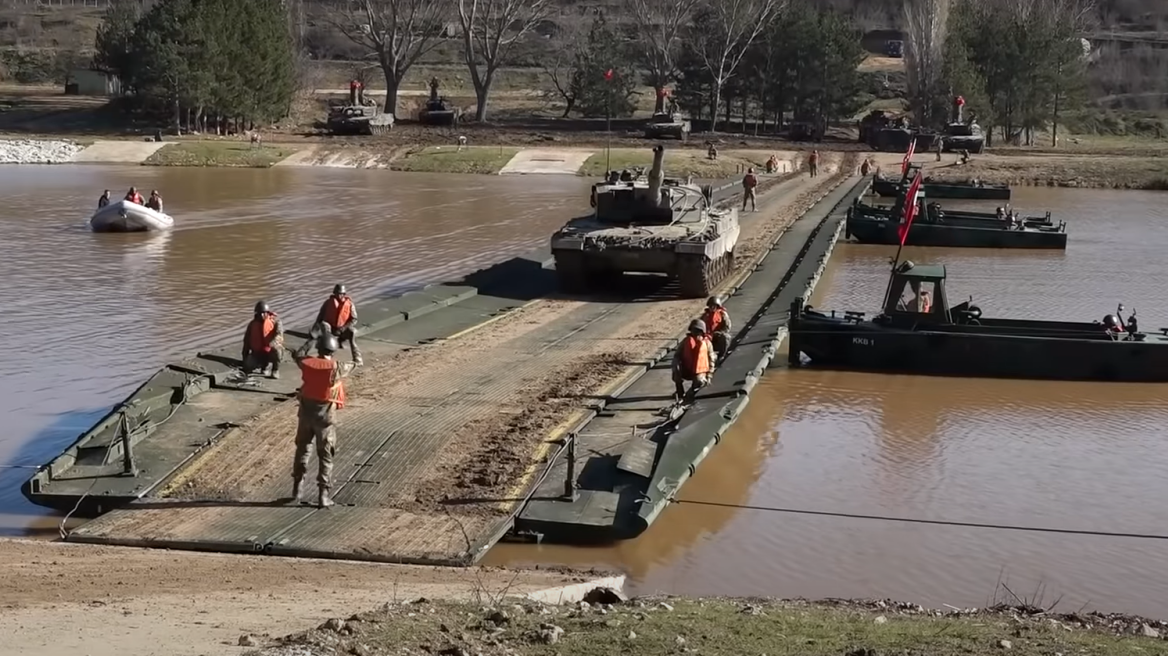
x: 218, y: 153
x: 447, y: 159
x: 678, y: 163
x: 719, y: 627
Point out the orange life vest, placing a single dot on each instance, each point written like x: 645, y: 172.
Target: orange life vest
x: 260, y: 332
x: 926, y: 302
x: 134, y: 198
x: 320, y: 382
x: 813, y: 158
x: 338, y: 310
x: 750, y: 181
x: 695, y: 357
x: 715, y: 319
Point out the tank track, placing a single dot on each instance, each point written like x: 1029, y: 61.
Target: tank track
x: 379, y: 130
x: 571, y: 272
x: 698, y: 275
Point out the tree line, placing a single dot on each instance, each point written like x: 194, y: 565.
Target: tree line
x: 207, y: 63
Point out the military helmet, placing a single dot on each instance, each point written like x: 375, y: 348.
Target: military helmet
x: 261, y: 307
x: 339, y: 290
x: 697, y: 326
x: 326, y: 344
x: 715, y: 301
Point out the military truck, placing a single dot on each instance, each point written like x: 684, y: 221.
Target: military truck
x: 667, y: 124
x: 648, y: 225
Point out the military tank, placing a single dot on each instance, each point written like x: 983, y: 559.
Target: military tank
x: 961, y: 133
x: 648, y: 225
x: 367, y: 119
x: 666, y: 124
x: 437, y: 110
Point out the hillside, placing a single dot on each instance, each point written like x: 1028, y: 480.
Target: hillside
x: 1130, y: 71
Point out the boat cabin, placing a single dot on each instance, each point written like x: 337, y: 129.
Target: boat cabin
x: 916, y: 294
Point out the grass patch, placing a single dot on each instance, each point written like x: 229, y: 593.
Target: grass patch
x: 723, y: 627
x: 218, y: 153
x: 678, y: 163
x: 447, y: 159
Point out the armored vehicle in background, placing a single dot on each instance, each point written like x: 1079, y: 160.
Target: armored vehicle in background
x: 359, y: 119
x: 438, y: 110
x: 648, y: 225
x: 667, y: 125
x: 962, y: 134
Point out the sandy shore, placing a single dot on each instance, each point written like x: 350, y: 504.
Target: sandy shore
x: 59, y: 598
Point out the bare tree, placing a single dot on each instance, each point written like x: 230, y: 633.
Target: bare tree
x: 724, y: 32
x: 395, y: 32
x: 561, y: 61
x: 489, y: 30
x: 926, y: 26
x: 660, y: 25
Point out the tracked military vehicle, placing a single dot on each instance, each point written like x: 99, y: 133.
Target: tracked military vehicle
x: 438, y: 110
x: 367, y: 119
x: 667, y: 125
x: 648, y: 225
x: 961, y: 133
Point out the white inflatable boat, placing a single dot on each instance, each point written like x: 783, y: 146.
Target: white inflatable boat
x: 124, y: 216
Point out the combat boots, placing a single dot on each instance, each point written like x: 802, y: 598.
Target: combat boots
x: 324, y: 500
x: 297, y: 489
x: 356, y: 353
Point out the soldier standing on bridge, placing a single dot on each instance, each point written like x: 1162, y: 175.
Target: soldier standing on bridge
x: 749, y: 183
x: 813, y: 163
x: 340, y: 314
x: 322, y: 393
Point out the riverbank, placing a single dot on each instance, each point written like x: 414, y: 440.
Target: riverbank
x: 121, y: 601
x: 722, y: 626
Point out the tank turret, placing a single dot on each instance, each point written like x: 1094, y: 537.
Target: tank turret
x: 649, y: 224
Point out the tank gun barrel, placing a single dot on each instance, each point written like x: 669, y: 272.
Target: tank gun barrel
x: 657, y: 175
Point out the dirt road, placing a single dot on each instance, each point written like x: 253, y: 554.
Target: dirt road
x: 59, y: 598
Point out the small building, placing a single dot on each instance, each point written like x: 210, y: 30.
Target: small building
x: 88, y: 82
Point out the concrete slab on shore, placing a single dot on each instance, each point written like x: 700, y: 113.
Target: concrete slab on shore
x: 119, y: 152
x: 547, y: 160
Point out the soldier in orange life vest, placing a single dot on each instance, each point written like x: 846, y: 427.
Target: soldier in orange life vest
x: 693, y: 361
x: 133, y: 196
x: 340, y: 313
x: 717, y: 321
x: 263, y: 341
x: 322, y: 393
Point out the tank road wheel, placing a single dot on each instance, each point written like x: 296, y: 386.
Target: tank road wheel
x: 695, y: 276
x: 570, y: 273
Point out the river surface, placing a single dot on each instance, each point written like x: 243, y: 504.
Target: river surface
x: 89, y: 316
x: 1021, y: 453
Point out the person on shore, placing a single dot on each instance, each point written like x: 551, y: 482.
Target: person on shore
x: 866, y: 167
x: 322, y: 393
x: 133, y: 196
x: 940, y: 145
x: 772, y: 164
x: 718, y: 326
x: 749, y: 184
x: 693, y: 361
x: 712, y: 151
x: 813, y: 163
x: 340, y: 313
x: 155, y: 201
x: 263, y: 342
x: 104, y: 199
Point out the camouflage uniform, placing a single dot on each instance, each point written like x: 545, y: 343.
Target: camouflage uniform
x: 316, y: 421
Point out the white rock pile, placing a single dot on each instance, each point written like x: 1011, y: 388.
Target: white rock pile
x: 30, y: 151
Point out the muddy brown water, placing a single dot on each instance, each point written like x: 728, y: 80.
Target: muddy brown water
x: 88, y: 316
x: 1025, y: 453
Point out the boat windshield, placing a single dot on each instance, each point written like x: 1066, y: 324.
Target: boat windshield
x: 918, y: 297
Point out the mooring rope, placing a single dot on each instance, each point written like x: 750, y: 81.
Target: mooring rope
x: 918, y: 520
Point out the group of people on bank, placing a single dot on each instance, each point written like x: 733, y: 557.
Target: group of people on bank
x: 132, y: 196
x: 322, y: 388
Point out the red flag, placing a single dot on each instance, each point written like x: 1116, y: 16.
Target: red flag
x: 608, y: 74
x: 912, y: 148
x: 910, y: 208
